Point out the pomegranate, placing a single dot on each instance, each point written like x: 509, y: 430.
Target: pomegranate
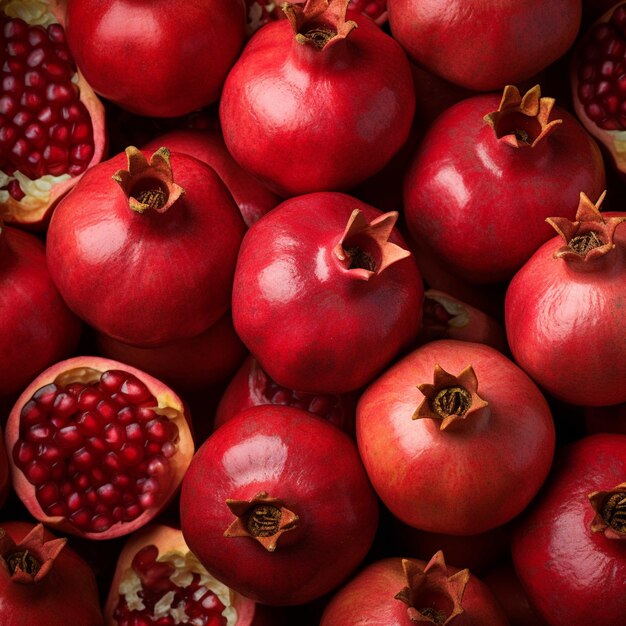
x: 188, y: 365
x: 459, y: 451
x: 97, y: 448
x: 129, y: 248
x: 402, y: 592
x: 487, y: 175
x: 251, y: 386
x: 331, y: 97
x: 548, y: 318
x: 43, y: 581
x: 158, y: 580
x: 325, y: 294
x: 277, y: 506
x: 481, y: 45
x: 446, y: 317
x: 251, y: 196
x: 568, y: 551
x: 155, y: 58
x: 599, y: 84
x: 51, y: 122
x: 36, y: 327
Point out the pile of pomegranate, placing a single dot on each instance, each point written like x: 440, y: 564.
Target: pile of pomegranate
x: 313, y: 313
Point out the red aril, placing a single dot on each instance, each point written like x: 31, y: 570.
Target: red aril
x: 97, y: 448
x: 158, y: 580
x: 51, y: 122
x: 43, y: 581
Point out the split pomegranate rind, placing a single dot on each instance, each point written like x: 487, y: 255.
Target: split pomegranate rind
x: 51, y: 122
x: 98, y: 448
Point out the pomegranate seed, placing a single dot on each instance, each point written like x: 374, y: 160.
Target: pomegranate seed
x: 75, y: 501
x: 135, y: 391
x: 45, y: 396
x: 118, y: 514
x: 56, y: 34
x: 38, y: 433
x: 98, y: 476
x: 121, y: 481
x: 108, y: 494
x: 36, y: 57
x: 58, y: 509
x: 89, y: 398
x: 59, y: 133
x: 56, y: 70
x: 114, y: 435
x: 12, y: 85
x: 8, y: 135
x: 31, y: 414
x: 81, y: 519
x: 151, y: 448
x: 48, y: 494
x: 91, y: 497
x: 132, y: 512
x: 131, y: 454
x: 17, y: 49
x: 145, y: 414
x: 37, y: 36
x: 107, y: 410
x: 37, y: 472
x: 126, y: 416
x: 158, y: 430
x: 112, y: 380
x: 23, y: 453
x: 83, y: 459
x: 112, y: 462
x: 100, y: 523
x: 65, y: 404
x: 49, y: 454
x: 57, y: 471
x: 97, y: 445
x: 89, y: 424
x: 15, y: 29
x: 147, y: 500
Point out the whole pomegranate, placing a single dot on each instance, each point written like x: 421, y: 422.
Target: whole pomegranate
x: 568, y: 551
x: 402, y: 592
x: 52, y: 126
x: 455, y: 438
x: 318, y: 101
x: 548, y: 317
x: 36, y: 327
x: 484, y: 45
x: 144, y: 249
x: 155, y: 57
x: 325, y: 293
x: 43, y: 581
x: 158, y: 580
x: 97, y: 448
x: 487, y: 175
x: 277, y: 506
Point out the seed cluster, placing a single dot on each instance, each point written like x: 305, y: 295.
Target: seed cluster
x: 97, y: 453
x: 44, y: 127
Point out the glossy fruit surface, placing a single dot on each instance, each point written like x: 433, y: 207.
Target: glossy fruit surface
x: 329, y: 94
x: 487, y: 175
x: 549, y: 316
x: 325, y: 293
x: 97, y: 448
x: 569, y: 550
x: 277, y: 506
x: 455, y: 438
x: 173, y: 66
x: 145, y: 248
x: 483, y: 45
x: 43, y: 581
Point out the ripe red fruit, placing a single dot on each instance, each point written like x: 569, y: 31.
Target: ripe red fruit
x: 325, y: 293
x: 548, y: 317
x: 277, y: 506
x: 331, y: 100
x: 156, y: 58
x: 481, y: 45
x: 51, y: 122
x: 568, y: 551
x: 159, y: 580
x: 145, y: 250
x: 97, y: 448
x: 488, y: 174
x: 459, y: 454
x: 43, y: 581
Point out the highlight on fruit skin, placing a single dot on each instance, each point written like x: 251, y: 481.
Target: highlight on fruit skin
x: 97, y: 448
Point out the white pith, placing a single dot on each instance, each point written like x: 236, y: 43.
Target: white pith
x: 186, y: 565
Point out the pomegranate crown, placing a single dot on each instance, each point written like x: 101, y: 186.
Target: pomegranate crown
x: 610, y: 512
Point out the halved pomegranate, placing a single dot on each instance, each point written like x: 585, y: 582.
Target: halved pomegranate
x: 158, y: 580
x: 97, y: 447
x: 51, y: 122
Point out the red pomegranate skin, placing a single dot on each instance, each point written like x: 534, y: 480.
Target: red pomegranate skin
x: 155, y: 58
x: 368, y: 600
x: 149, y: 278
x: 36, y: 326
x: 555, y: 310
x: 68, y: 594
x: 304, y: 119
x: 483, y: 45
x: 574, y: 577
x: 480, y: 204
x: 252, y: 197
x: 313, y: 324
x: 473, y: 476
x: 314, y: 468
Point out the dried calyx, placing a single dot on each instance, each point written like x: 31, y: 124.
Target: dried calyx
x: 522, y: 121
x: 610, y: 512
x: 148, y: 184
x: 319, y: 23
x: 450, y: 398
x: 590, y: 235
x: 263, y: 518
x: 431, y: 596
x: 364, y: 247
